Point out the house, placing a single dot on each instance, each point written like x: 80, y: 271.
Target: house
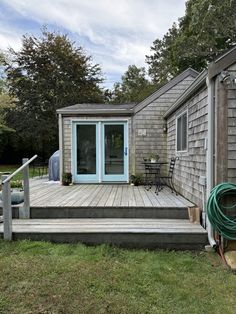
x: 192, y: 117
x: 107, y: 142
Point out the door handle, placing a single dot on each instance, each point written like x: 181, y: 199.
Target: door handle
x: 126, y: 151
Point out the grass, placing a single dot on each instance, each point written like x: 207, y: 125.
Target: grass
x: 40, y: 277
x: 18, y: 176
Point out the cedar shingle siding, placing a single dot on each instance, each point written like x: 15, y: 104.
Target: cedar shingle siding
x: 192, y: 164
x: 150, y: 121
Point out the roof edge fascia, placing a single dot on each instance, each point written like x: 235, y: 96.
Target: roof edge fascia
x: 95, y: 112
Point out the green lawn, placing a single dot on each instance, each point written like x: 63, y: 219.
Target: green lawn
x: 38, y: 277
x: 12, y: 168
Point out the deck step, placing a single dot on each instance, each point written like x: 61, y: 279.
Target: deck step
x: 138, y: 233
x: 106, y: 212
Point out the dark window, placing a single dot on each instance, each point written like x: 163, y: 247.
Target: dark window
x: 182, y: 132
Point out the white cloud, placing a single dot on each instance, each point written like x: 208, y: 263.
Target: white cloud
x: 117, y: 33
x: 9, y: 38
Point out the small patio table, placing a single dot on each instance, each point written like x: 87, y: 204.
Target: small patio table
x: 152, y: 173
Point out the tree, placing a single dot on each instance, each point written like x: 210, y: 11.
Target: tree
x: 5, y: 99
x: 207, y: 29
x: 134, y: 86
x: 5, y: 103
x: 48, y: 73
x: 161, y: 63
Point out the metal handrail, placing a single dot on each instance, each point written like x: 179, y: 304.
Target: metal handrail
x: 24, y: 212
x: 19, y: 169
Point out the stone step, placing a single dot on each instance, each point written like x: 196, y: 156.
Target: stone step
x: 177, y: 234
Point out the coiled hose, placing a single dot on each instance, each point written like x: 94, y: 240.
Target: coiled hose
x: 222, y: 217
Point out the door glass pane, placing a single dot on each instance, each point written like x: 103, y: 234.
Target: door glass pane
x: 179, y: 134
x: 184, y: 132
x: 114, y: 149
x: 86, y: 149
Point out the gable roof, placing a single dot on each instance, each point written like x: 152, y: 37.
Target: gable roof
x: 193, y: 87
x: 165, y: 88
x: 95, y: 109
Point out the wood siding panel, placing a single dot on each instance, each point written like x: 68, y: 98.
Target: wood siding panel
x: 191, y: 164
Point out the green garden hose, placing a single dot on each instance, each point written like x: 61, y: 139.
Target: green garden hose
x: 221, y: 216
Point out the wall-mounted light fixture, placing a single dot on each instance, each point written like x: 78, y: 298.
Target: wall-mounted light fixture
x: 227, y: 78
x: 164, y: 128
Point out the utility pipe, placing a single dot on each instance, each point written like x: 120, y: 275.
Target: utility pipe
x: 210, y: 153
x: 60, y: 122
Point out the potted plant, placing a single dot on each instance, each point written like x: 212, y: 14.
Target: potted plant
x: 136, y: 179
x: 153, y: 157
x: 17, y: 192
x: 66, y: 178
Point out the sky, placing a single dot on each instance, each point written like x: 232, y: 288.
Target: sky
x: 116, y: 33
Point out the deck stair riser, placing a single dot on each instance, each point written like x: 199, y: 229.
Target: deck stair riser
x: 107, y: 212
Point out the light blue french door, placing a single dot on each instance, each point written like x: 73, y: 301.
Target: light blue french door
x: 114, y: 151
x: 85, y: 152
x: 100, y: 151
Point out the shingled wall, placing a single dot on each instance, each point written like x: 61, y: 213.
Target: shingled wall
x: 191, y: 164
x: 148, y: 125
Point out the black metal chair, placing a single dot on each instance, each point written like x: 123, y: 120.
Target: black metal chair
x: 151, y: 174
x: 167, y: 180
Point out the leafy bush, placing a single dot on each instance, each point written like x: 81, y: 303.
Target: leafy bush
x: 17, y: 184
x: 66, y: 178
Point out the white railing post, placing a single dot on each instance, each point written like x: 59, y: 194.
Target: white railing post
x: 7, y: 210
x: 25, y: 211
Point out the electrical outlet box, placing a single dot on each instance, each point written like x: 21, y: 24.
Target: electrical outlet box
x: 202, y: 180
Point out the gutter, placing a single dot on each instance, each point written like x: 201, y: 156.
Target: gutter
x: 103, y: 112
x: 210, y: 152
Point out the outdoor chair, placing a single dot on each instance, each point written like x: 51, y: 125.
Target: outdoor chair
x: 163, y: 180
x: 151, y: 172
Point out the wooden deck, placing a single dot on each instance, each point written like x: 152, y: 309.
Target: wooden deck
x: 116, y: 214
x: 44, y: 194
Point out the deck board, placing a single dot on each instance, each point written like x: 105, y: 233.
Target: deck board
x: 117, y: 200
x: 105, y: 225
x: 111, y: 197
x: 101, y: 195
x: 146, y: 200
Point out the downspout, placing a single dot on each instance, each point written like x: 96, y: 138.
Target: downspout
x: 60, y: 145
x: 210, y: 153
